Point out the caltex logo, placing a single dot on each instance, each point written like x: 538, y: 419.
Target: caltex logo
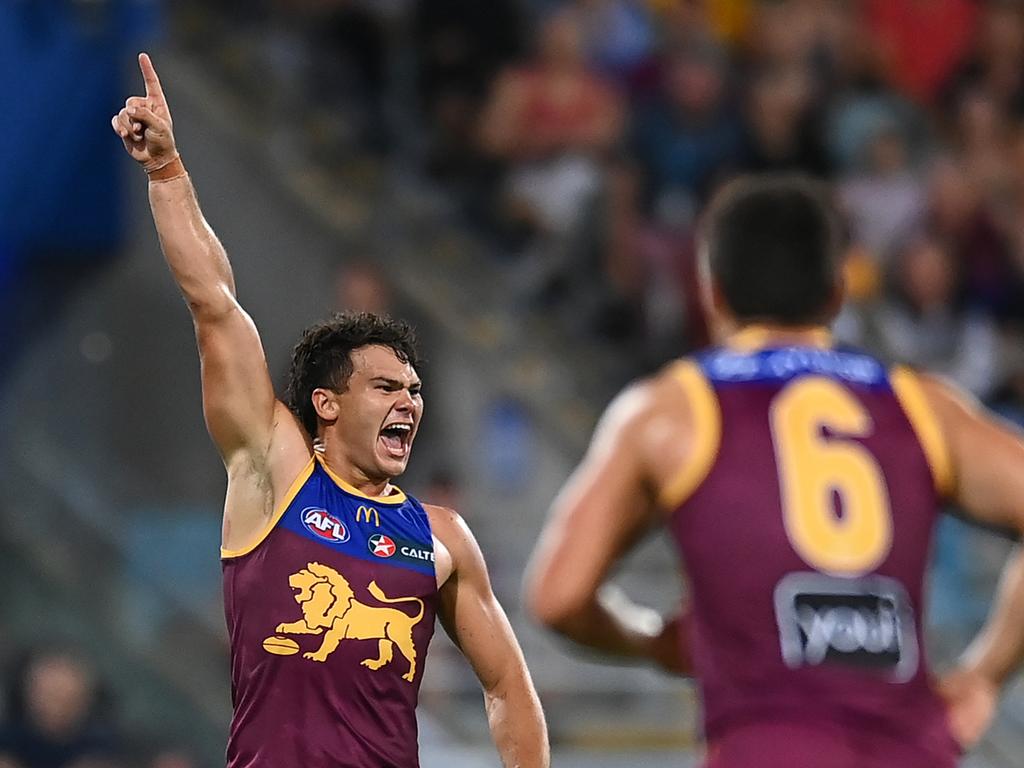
x: 381, y: 545
x: 323, y: 524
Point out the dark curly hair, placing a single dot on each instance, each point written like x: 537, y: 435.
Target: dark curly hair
x: 323, y: 356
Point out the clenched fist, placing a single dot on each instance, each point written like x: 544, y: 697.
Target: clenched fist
x: 144, y: 124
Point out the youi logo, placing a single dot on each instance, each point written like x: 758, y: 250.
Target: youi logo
x: 324, y: 525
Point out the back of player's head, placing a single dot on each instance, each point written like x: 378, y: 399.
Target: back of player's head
x: 323, y: 356
x: 772, y: 245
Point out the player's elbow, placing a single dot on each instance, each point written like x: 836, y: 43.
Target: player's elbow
x: 556, y: 608
x: 539, y: 609
x: 211, y: 305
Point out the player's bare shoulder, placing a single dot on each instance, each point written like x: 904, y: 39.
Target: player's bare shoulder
x: 948, y: 401
x: 983, y: 451
x: 455, y: 546
x: 654, y: 421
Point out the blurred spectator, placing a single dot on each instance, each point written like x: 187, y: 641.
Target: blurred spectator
x: 781, y: 131
x: 443, y: 488
x: 360, y: 286
x: 665, y: 247
x: 551, y: 122
x: 843, y: 56
x: 983, y: 141
x: 687, y: 135
x: 350, y: 68
x: 786, y: 33
x: 460, y: 46
x: 885, y: 199
x: 678, y: 20
x: 957, y: 213
x: 327, y: 75
x: 55, y: 717
x: 996, y: 63
x: 926, y: 323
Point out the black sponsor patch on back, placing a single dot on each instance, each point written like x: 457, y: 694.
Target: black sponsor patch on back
x: 866, y: 622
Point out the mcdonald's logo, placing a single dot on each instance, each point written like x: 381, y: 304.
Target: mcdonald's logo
x: 367, y: 512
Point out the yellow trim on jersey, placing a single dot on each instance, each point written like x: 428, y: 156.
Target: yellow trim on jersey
x: 755, y: 337
x: 279, y: 511
x: 910, y: 394
x: 706, y: 430
x: 398, y: 497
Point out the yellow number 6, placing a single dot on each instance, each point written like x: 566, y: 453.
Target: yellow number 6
x: 815, y: 471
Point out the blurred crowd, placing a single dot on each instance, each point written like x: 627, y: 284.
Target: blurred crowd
x: 612, y: 132
x: 59, y: 714
x: 582, y: 139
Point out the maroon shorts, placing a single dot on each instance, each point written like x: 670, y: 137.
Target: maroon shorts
x: 798, y: 745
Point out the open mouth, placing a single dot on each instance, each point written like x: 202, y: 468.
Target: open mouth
x: 396, y: 438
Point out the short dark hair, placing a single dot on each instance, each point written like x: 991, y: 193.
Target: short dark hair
x: 323, y: 356
x: 773, y: 245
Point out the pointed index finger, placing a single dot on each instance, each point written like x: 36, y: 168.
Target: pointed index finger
x: 149, y: 76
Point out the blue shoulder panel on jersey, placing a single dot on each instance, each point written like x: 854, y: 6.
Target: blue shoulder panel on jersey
x: 393, y: 534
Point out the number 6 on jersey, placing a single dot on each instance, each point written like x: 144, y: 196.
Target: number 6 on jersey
x: 834, y: 497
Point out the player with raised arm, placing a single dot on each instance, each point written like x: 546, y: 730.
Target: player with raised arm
x: 801, y: 484
x: 332, y: 575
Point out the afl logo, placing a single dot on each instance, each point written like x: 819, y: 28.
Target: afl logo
x: 324, y: 525
x: 381, y: 545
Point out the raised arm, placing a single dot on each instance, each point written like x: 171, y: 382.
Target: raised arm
x: 986, y: 458
x: 477, y: 624
x: 606, y: 507
x: 248, y: 425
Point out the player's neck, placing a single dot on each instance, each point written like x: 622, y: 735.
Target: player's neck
x: 346, y: 473
x: 752, y: 336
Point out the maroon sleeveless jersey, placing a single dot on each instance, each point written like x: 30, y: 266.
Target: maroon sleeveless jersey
x: 805, y: 525
x: 329, y: 617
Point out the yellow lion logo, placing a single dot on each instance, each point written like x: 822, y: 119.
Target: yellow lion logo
x: 328, y: 603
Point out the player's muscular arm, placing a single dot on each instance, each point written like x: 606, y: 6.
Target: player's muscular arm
x: 987, y: 460
x: 238, y: 398
x: 477, y: 624
x: 261, y: 443
x: 607, y: 506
